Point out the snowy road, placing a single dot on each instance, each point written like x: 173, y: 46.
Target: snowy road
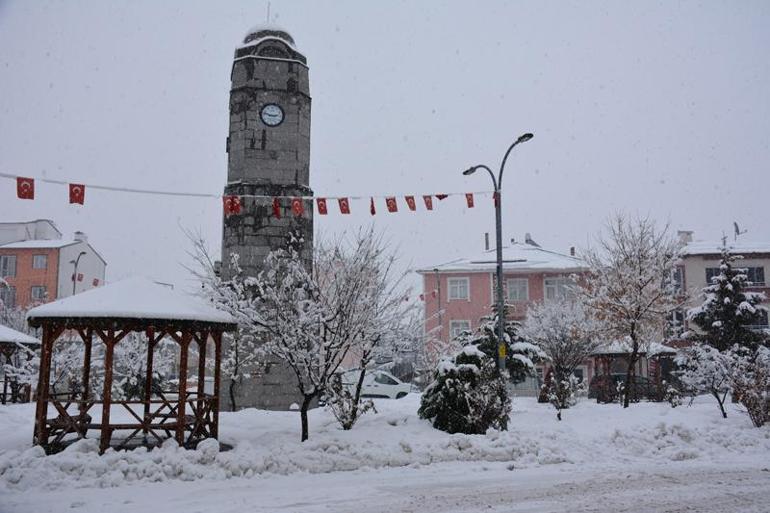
x: 455, y: 487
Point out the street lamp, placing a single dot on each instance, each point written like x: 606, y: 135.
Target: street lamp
x: 75, y: 272
x: 497, y: 183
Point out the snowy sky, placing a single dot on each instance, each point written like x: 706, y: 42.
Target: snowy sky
x: 651, y: 107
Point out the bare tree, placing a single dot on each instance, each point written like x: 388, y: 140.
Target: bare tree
x: 629, y: 288
x: 567, y: 334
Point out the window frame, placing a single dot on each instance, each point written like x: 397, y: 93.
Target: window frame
x: 562, y: 284
x: 4, y: 268
x: 752, y: 283
x: 464, y: 279
x: 35, y: 258
x: 466, y: 323
x: 38, y: 287
x: 9, y: 291
x: 508, y: 289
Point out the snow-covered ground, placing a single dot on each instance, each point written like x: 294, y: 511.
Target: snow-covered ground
x: 649, y: 457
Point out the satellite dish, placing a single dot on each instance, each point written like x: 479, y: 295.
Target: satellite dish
x: 738, y: 230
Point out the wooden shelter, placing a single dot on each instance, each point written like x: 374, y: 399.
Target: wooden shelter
x: 12, y: 346
x: 107, y: 315
x: 649, y: 366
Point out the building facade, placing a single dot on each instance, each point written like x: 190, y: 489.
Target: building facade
x: 268, y: 149
x: 38, y: 265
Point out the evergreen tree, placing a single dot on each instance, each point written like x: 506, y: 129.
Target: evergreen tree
x: 520, y: 356
x: 467, y: 395
x: 727, y: 311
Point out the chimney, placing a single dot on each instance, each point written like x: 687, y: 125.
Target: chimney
x: 685, y: 236
x: 80, y: 236
x: 572, y: 251
x: 486, y: 241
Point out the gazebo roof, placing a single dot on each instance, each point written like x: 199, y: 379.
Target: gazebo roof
x: 8, y: 335
x: 132, y: 299
x: 623, y: 347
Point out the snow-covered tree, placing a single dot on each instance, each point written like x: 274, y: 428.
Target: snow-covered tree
x: 130, y: 367
x: 628, y: 288
x: 567, y: 335
x: 751, y: 382
x: 386, y: 319
x: 704, y: 368
x: 521, y: 356
x: 467, y: 395
x: 728, y: 310
x: 241, y: 356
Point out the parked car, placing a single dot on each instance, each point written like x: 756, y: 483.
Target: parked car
x: 377, y: 383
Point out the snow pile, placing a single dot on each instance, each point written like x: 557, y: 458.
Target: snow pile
x: 267, y: 443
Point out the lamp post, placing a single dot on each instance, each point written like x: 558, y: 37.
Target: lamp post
x: 75, y: 272
x: 497, y: 183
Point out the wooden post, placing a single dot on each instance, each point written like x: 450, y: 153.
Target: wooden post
x: 215, y: 404
x: 184, y: 344
x: 204, y: 338
x: 87, y: 337
x: 148, y: 379
x: 50, y: 333
x: 109, y: 342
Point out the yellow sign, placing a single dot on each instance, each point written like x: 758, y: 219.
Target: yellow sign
x: 501, y: 350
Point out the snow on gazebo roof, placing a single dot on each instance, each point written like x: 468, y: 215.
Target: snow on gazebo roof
x: 132, y: 298
x: 624, y: 347
x: 10, y: 335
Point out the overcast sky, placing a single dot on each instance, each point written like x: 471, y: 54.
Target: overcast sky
x: 656, y: 108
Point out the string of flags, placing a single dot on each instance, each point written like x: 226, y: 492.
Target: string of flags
x: 234, y: 204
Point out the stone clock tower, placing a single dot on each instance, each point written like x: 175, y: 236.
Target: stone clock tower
x: 268, y: 150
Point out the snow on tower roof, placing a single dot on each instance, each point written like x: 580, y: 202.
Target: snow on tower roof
x: 516, y: 257
x: 259, y: 33
x: 132, y: 298
x: 10, y: 335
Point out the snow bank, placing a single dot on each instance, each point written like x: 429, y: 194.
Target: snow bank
x: 266, y: 443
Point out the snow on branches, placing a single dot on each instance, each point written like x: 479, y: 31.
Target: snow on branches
x: 629, y: 289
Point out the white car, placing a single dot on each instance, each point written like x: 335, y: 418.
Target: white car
x: 377, y: 383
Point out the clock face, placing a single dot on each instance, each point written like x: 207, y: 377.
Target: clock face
x: 272, y: 114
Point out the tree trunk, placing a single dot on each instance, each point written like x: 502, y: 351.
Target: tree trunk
x: 232, y: 394
x: 356, y: 399
x: 720, y: 402
x: 308, y: 398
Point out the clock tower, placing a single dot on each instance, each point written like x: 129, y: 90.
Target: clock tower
x: 268, y: 148
x: 268, y: 156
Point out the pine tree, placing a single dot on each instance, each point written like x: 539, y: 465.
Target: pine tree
x: 520, y: 356
x: 727, y: 311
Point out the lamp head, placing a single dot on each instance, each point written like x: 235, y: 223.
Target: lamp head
x: 524, y: 138
x: 470, y: 170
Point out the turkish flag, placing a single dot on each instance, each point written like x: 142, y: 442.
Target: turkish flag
x: 232, y: 205
x: 422, y: 297
x: 372, y: 210
x: 442, y: 196
x: 276, y: 208
x: 344, y: 205
x: 321, y: 202
x: 428, y: 202
x: 80, y: 276
x: 77, y: 193
x: 297, y: 206
x: 25, y: 188
x: 96, y: 282
x: 469, y: 199
x: 410, y: 203
x: 391, y: 203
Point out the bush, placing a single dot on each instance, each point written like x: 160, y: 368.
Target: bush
x: 467, y: 395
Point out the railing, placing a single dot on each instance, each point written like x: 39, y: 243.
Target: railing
x: 157, y: 417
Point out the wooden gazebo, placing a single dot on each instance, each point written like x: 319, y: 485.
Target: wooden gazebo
x: 649, y: 366
x: 12, y: 345
x: 108, y: 314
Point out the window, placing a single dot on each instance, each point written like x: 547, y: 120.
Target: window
x: 675, y: 323
x: 677, y: 275
x: 761, y: 323
x: 558, y: 288
x: 7, y: 266
x: 518, y: 289
x: 8, y: 296
x: 756, y: 276
x: 38, y: 293
x: 384, y: 379
x: 458, y: 288
x: 711, y: 273
x: 457, y: 327
x: 39, y: 261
